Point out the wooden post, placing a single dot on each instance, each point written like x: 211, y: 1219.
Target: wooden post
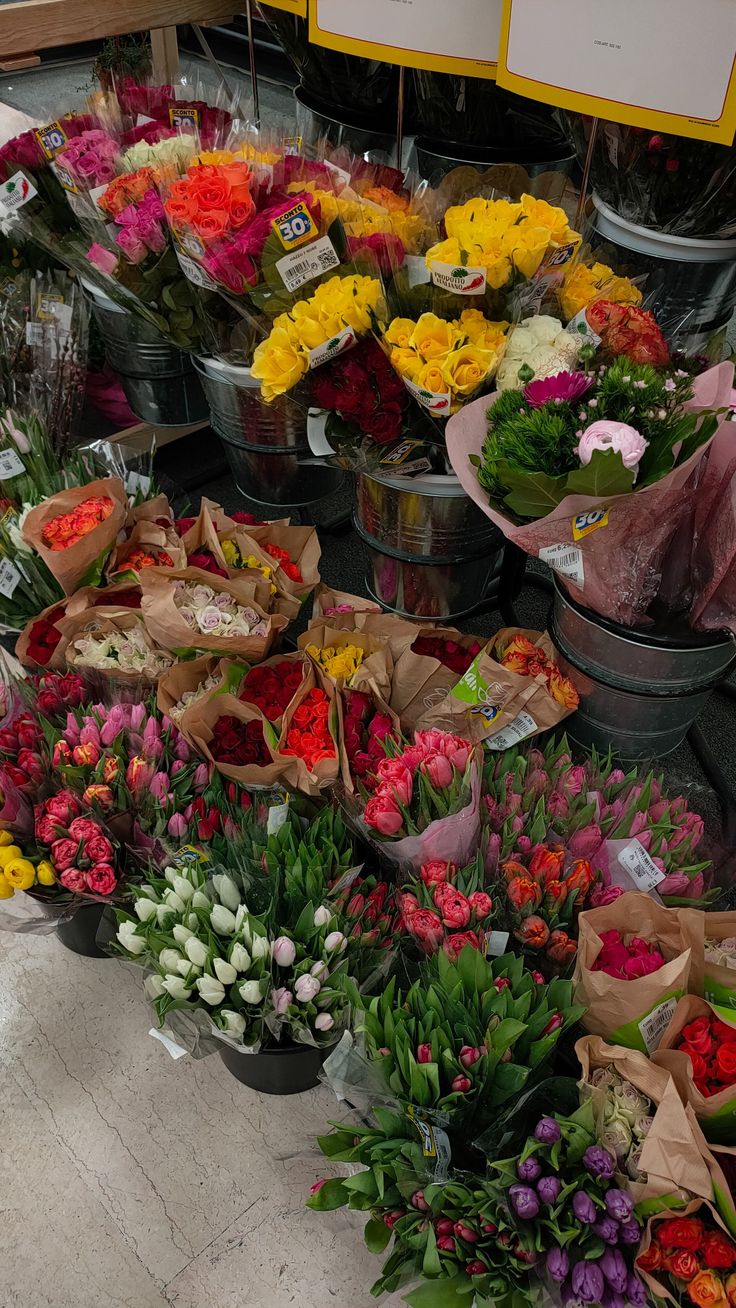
x: 164, y: 55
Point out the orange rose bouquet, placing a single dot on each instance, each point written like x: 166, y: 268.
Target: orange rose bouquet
x: 75, y: 531
x: 690, y: 1257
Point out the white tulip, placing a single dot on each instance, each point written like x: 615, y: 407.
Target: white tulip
x: 335, y: 942
x: 234, y: 1023
x: 183, y: 888
x: 322, y: 916
x: 148, y: 892
x: 211, y: 990
x: 240, y: 916
x: 239, y: 957
x: 185, y: 968
x: 196, y: 951
x: 129, y: 940
x: 250, y: 992
x: 175, y: 903
x: 284, y: 951
x: 153, y: 987
x: 163, y: 913
x: 245, y: 931
x: 324, y: 1022
x: 260, y: 948
x: 145, y: 909
x: 174, y: 986
x: 199, y: 900
x: 222, y: 920
x: 225, y: 972
x: 169, y: 959
x: 320, y: 969
x: 181, y: 933
x: 170, y: 874
x: 227, y: 891
x: 193, y: 922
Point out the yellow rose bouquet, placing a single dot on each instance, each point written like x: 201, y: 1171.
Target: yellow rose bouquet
x: 444, y: 363
x: 583, y: 283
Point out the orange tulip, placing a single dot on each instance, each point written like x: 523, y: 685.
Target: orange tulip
x: 533, y: 932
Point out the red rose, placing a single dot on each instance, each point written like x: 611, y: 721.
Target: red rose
x: 681, y: 1233
x: 101, y: 879
x: 726, y: 1063
x: 697, y: 1035
x: 384, y: 425
x: 699, y: 1065
x: 97, y: 849
x: 718, y: 1250
x: 437, y: 872
x: 302, y: 716
x: 453, y: 906
x: 455, y: 944
x: 723, y: 1032
x: 64, y: 853
x: 83, y: 829
x: 684, y: 1265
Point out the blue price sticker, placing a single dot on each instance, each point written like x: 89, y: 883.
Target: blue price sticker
x: 295, y: 227
x: 51, y: 139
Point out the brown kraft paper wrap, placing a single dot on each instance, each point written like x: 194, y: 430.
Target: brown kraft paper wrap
x: 635, y: 1013
x: 707, y: 1212
x: 167, y: 627
x: 715, y: 981
x: 376, y: 667
x: 202, y: 718
x: 183, y: 677
x: 100, y: 622
x: 715, y: 1113
x: 303, y: 547
x: 84, y: 562
x: 56, y: 660
x: 420, y: 682
x: 154, y: 510
x: 276, y: 599
x: 671, y: 1155
x: 153, y: 540
x: 326, y: 598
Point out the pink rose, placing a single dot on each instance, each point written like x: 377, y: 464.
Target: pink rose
x: 73, y: 879
x: 438, y: 770
x: 101, y: 879
x: 97, y: 849
x: 64, y: 806
x: 642, y: 965
x: 82, y: 828
x: 382, y: 813
x: 395, y: 779
x: 64, y: 853
x: 131, y: 245
x: 617, y: 436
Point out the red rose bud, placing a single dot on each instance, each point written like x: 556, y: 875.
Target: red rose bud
x: 461, y: 1084
x: 464, y: 1232
x: 444, y: 1226
x: 445, y: 1243
x: 469, y: 1055
x: 390, y: 1219
x: 476, y: 1268
x: 424, y: 1053
x: 418, y: 1201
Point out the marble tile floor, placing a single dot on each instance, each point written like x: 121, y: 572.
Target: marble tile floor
x: 129, y: 1179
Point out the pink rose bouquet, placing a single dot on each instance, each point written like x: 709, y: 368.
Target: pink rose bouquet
x: 82, y: 856
x: 90, y: 160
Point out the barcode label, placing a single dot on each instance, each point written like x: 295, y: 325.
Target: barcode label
x: 522, y: 726
x: 641, y: 868
x: 565, y: 559
x: 654, y: 1025
x: 338, y: 344
x: 304, y: 265
x: 9, y: 578
x: 194, y: 273
x: 11, y: 464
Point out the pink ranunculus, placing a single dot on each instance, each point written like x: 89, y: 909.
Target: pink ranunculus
x: 72, y: 879
x: 382, y: 813
x: 616, y: 436
x: 438, y: 769
x: 395, y: 779
x: 64, y: 853
x: 101, y: 879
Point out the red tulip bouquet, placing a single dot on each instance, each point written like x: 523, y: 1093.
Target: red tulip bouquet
x: 82, y: 856
x: 447, y: 907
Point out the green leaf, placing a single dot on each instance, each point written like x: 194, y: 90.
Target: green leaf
x: 376, y: 1235
x: 450, y: 1292
x: 604, y: 475
x: 431, y: 1265
x: 329, y: 1196
x: 532, y: 494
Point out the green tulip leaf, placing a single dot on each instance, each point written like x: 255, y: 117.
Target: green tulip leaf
x: 376, y: 1235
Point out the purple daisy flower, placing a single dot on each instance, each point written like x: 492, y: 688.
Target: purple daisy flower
x: 563, y: 388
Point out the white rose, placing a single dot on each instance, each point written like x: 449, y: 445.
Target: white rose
x: 129, y: 940
x: 544, y: 329
x: 222, y: 920
x: 225, y: 972
x: 145, y: 909
x: 196, y: 951
x: 521, y: 340
x: 211, y: 990
x: 250, y: 992
x: 174, y: 986
x: 169, y: 959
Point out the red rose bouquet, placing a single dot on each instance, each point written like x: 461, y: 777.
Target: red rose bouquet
x: 449, y: 653
x: 83, y: 858
x: 364, y: 730
x: 239, y: 743
x: 690, y: 1258
x: 363, y: 401
x: 271, y: 686
x: 698, y: 1049
x: 39, y: 641
x: 447, y: 907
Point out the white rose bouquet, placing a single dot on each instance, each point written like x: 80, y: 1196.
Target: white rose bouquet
x: 537, y: 348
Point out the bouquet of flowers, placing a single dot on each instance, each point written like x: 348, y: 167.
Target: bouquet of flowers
x: 75, y: 530
x: 537, y: 348
x: 444, y: 363
x: 689, y: 1257
x: 698, y: 1049
x: 21, y: 870
x: 447, y: 907
x: 361, y: 403
x: 187, y: 609
x: 81, y: 856
x: 116, y: 650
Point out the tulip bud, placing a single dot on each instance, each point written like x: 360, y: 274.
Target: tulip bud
x: 583, y: 1207
x: 260, y: 948
x: 211, y: 990
x: 465, y: 1232
x: 444, y: 1226
x: 324, y: 1022
x: 183, y: 888
x: 145, y: 909
x: 222, y: 920
x: 196, y: 951
x: 322, y: 916
x: 461, y: 1084
x: 547, y: 1131
x: 335, y: 942
x: 446, y: 1243
x: 239, y: 957
x: 306, y: 988
x: 127, y: 937
x: 476, y: 1268
x: 227, y: 891
x: 169, y: 959
x: 317, y: 1186
x: 280, y: 998
x: 469, y: 1055
x: 390, y: 1219
x: 250, y: 992
x: 424, y: 1053
x: 231, y: 1022
x: 284, y: 951
x: 529, y: 1169
x: 224, y: 971
x: 199, y: 900
x: 181, y: 933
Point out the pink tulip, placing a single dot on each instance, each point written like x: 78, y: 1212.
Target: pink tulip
x: 639, y: 822
x: 177, y: 826
x: 697, y: 886
x: 281, y: 998
x: 439, y: 771
x: 201, y: 777
x: 586, y: 842
x: 182, y: 750
x: 159, y: 786
x: 137, y: 716
x: 176, y: 767
x: 677, y: 883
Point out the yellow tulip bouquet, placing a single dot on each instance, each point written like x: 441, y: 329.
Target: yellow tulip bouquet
x: 21, y: 871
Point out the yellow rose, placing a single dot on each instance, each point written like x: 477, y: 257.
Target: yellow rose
x: 8, y: 853
x: 433, y: 338
x: 309, y: 328
x: 448, y: 251
x: 407, y: 363
x: 527, y: 247
x: 230, y: 551
x: 6, y: 890
x: 399, y: 332
x: 5, y: 838
x: 541, y: 214
x: 467, y: 368
x: 479, y: 331
x: 20, y: 873
x: 45, y: 874
x: 279, y: 363
x: 431, y: 378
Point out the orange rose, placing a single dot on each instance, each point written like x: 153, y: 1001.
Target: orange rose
x: 546, y: 864
x: 731, y: 1289
x: 533, y: 932
x: 561, y: 688
x: 522, y: 891
x: 651, y: 1259
x: 211, y: 225
x: 241, y: 211
x: 708, y: 1291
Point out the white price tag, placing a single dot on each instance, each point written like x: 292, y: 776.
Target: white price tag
x: 168, y: 1042
x: 34, y: 333
x: 459, y: 280
x: 523, y: 725
x: 434, y: 401
x: 16, y: 192
x: 641, y: 868
x: 9, y: 578
x: 338, y: 344
x: 417, y: 270
x: 11, y: 464
x: 654, y: 1025
x: 136, y: 481
x: 141, y: 120
x: 496, y: 942
x: 565, y: 559
x: 194, y: 273
x: 50, y: 309
x: 304, y: 265
x: 277, y: 815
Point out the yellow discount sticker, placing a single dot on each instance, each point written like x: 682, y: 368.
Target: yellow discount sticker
x: 295, y: 227
x: 584, y: 523
x: 51, y: 139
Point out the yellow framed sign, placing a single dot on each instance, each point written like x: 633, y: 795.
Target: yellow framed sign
x: 664, y: 64
x: 444, y: 36
x: 298, y: 7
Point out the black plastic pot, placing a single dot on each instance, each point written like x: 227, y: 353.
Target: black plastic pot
x: 284, y: 1070
x: 79, y: 934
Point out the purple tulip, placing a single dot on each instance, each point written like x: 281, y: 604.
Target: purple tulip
x: 528, y: 1170
x: 618, y: 1204
x: 612, y: 1300
x: 607, y: 1229
x: 584, y: 1208
x: 547, y: 1131
x: 524, y: 1201
x: 635, y: 1291
x: 587, y: 1281
x: 599, y: 1162
x: 558, y: 1263
x: 548, y: 1189
x: 176, y: 767
x: 613, y: 1265
x: 630, y: 1232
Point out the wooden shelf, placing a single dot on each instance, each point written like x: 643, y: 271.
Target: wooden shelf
x: 41, y: 24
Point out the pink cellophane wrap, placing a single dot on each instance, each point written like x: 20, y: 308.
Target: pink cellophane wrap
x: 452, y: 839
x: 623, y: 560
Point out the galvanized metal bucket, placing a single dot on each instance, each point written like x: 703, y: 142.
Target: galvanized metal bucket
x: 361, y: 135
x: 432, y: 553
x: 159, y: 381
x: 639, y: 693
x: 265, y: 444
x: 689, y: 284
